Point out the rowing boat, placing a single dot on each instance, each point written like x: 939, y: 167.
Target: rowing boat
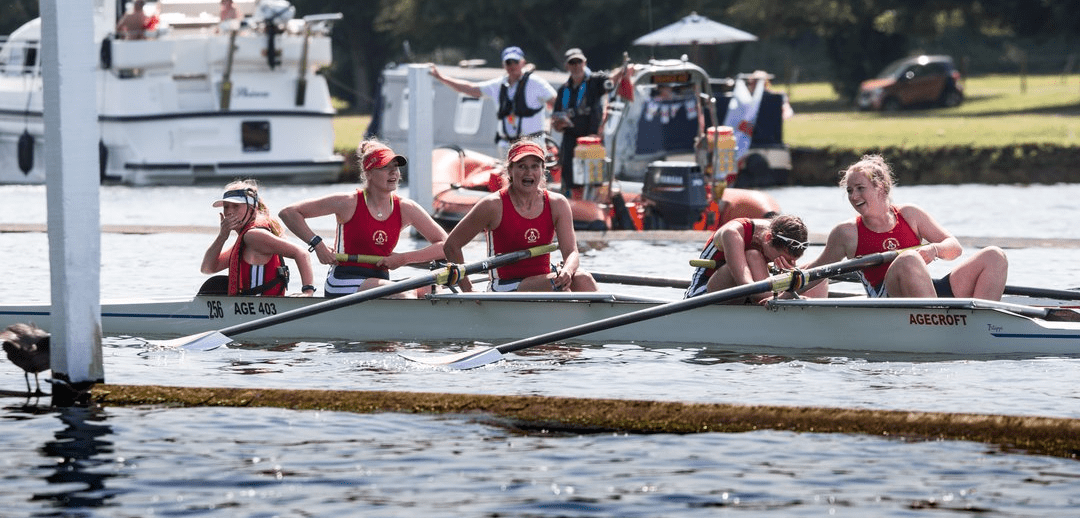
x: 966, y: 327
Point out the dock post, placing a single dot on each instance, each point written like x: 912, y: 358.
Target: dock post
x: 69, y: 60
x: 421, y: 135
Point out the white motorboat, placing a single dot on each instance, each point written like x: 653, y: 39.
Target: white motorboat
x: 197, y: 100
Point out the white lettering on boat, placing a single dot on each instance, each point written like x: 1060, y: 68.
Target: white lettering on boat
x: 931, y: 319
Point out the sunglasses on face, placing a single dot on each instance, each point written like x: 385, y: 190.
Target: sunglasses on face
x: 574, y: 62
x: 793, y: 246
x: 511, y: 62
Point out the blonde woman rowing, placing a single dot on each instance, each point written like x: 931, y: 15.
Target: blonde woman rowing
x: 369, y: 222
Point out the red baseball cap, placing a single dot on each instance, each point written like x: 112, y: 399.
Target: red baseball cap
x: 522, y: 149
x: 381, y: 156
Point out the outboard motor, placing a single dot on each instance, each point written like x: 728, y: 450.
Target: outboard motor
x: 677, y: 191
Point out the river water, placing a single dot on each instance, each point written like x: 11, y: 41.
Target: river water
x: 273, y: 462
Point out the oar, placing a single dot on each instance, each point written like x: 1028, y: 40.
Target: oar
x: 788, y: 280
x: 1045, y: 293
x: 213, y: 339
x: 639, y: 280
x: 360, y: 258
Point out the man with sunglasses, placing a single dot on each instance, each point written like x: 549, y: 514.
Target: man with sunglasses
x: 520, y: 98
x: 579, y: 110
x: 741, y: 251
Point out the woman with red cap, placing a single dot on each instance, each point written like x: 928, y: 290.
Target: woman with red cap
x: 369, y: 222
x: 522, y: 215
x: 256, y: 260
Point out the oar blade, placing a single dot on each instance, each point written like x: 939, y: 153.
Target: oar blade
x: 470, y: 359
x: 205, y: 341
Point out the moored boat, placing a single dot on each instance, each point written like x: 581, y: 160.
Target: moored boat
x: 963, y: 327
x: 198, y: 100
x: 657, y: 169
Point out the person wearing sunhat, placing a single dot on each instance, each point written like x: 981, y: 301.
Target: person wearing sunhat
x: 579, y: 110
x: 520, y: 98
x: 255, y: 262
x: 522, y: 215
x: 370, y: 220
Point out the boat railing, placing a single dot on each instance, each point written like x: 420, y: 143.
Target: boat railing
x: 19, y: 57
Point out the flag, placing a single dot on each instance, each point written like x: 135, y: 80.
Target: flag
x: 626, y: 85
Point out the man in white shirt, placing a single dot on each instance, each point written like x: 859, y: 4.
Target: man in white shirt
x: 521, y: 112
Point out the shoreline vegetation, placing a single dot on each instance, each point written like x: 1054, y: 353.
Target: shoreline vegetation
x: 1010, y: 129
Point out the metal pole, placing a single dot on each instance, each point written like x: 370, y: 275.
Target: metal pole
x: 69, y: 62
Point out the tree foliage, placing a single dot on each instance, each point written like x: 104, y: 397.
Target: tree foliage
x: 859, y: 36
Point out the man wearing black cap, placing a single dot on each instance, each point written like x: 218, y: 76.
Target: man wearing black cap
x: 579, y: 110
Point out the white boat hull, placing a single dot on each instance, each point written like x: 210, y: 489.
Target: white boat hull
x: 166, y: 115
x: 964, y: 327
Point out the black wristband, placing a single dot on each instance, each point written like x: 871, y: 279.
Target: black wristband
x: 314, y: 242
x: 307, y: 287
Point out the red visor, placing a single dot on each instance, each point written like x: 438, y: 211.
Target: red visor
x: 381, y: 157
x: 524, y: 148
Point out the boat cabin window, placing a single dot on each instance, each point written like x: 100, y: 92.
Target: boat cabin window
x: 255, y: 135
x: 467, y: 115
x: 20, y: 57
x: 668, y: 122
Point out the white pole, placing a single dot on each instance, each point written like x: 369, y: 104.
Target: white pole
x: 421, y: 135
x: 69, y: 59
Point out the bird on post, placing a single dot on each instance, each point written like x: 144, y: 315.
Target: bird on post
x: 27, y: 346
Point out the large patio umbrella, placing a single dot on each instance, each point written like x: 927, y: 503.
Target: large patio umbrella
x: 695, y: 30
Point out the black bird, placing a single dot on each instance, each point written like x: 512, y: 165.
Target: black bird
x: 27, y: 346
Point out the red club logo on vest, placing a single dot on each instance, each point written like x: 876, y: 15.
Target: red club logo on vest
x: 891, y: 244
x: 379, y: 238
x: 532, y: 235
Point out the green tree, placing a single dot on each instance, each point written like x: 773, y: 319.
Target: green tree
x: 15, y: 13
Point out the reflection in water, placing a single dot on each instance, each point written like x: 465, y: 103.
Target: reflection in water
x: 75, y: 456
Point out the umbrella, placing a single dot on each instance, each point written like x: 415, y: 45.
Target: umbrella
x: 694, y: 30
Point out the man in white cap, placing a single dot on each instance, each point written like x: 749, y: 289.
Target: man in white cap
x: 519, y: 98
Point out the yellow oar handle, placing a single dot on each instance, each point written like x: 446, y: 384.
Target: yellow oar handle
x: 358, y: 258
x: 543, y: 249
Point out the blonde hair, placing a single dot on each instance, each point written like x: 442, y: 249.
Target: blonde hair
x: 262, y: 212
x: 362, y: 149
x: 876, y: 170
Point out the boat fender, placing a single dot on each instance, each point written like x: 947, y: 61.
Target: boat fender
x: 26, y: 152
x: 103, y: 158
x: 106, y: 53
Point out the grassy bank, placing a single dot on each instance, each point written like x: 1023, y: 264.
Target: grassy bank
x: 1008, y: 130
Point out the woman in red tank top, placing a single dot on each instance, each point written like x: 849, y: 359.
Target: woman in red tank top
x: 742, y: 250
x: 369, y: 221
x: 882, y: 225
x: 522, y: 215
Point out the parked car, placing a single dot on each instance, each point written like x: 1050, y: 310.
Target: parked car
x: 913, y: 81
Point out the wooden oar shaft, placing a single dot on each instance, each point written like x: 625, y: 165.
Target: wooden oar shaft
x: 436, y: 277
x: 779, y: 282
